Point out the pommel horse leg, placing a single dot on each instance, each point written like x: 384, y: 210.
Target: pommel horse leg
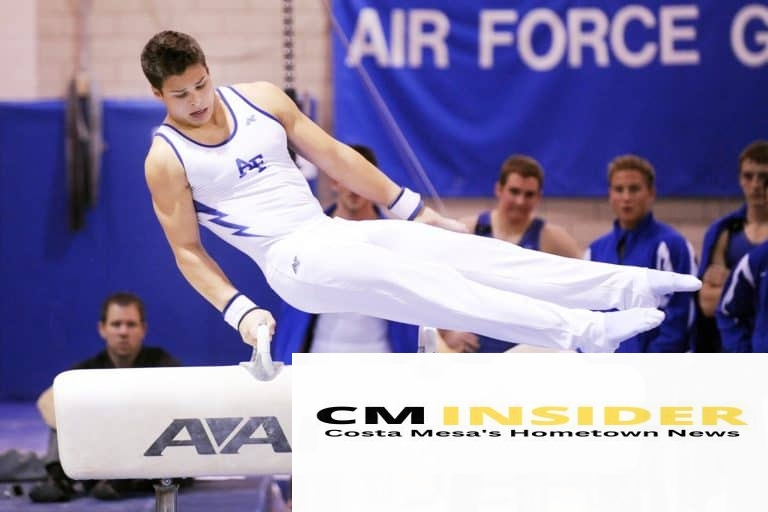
x: 166, y: 494
x: 163, y: 423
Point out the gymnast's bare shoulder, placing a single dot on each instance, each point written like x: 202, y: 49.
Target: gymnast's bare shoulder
x: 161, y: 160
x: 268, y: 97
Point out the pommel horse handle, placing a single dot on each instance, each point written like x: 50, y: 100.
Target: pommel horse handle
x: 261, y: 365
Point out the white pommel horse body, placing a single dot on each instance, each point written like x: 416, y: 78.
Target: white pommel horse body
x: 164, y: 423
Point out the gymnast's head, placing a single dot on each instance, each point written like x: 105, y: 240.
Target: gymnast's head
x: 175, y: 66
x: 170, y: 53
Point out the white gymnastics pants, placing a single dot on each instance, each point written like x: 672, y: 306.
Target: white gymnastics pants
x: 417, y: 274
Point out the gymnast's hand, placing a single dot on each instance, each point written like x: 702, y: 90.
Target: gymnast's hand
x: 252, y: 321
x: 460, y: 341
x: 431, y: 217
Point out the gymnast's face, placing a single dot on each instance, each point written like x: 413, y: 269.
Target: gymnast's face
x: 631, y: 197
x: 188, y: 97
x: 123, y: 332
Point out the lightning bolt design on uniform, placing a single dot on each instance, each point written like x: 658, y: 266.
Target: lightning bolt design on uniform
x: 217, y: 218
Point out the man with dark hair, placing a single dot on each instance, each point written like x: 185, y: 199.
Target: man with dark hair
x: 220, y: 159
x: 123, y: 326
x: 639, y: 239
x: 728, y: 239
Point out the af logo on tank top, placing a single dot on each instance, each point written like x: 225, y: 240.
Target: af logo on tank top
x: 256, y: 163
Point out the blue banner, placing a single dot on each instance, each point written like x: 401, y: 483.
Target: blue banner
x: 448, y: 90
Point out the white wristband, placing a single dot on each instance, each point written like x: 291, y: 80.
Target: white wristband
x: 237, y: 308
x: 406, y: 205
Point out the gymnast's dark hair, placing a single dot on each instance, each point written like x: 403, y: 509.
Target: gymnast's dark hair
x: 169, y: 53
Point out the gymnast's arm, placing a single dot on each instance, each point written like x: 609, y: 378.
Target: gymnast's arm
x: 339, y: 161
x: 172, y: 202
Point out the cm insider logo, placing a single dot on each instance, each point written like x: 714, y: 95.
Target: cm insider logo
x: 542, y: 421
x: 618, y: 415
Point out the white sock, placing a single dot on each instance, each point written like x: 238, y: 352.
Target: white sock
x: 622, y: 325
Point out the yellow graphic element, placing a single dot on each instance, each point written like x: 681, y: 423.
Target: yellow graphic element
x: 585, y: 415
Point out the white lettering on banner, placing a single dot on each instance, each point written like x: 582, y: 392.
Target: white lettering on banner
x: 368, y: 40
x: 668, y: 36
x: 427, y: 29
x: 742, y: 52
x: 671, y: 33
x: 554, y: 55
x: 490, y: 37
x: 434, y: 38
x: 397, y: 38
x: 575, y: 35
x: 623, y: 17
x: 578, y: 20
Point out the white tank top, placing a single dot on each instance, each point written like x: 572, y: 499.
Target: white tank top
x: 246, y: 190
x: 350, y: 332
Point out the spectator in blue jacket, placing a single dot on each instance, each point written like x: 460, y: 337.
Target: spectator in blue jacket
x: 639, y: 239
x: 742, y: 316
x: 728, y: 239
x: 342, y: 332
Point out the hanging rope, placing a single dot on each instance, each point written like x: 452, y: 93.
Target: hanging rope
x: 413, y: 165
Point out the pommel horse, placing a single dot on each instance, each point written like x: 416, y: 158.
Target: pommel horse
x: 166, y: 423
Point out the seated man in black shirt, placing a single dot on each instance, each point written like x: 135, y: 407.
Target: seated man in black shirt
x: 122, y: 326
